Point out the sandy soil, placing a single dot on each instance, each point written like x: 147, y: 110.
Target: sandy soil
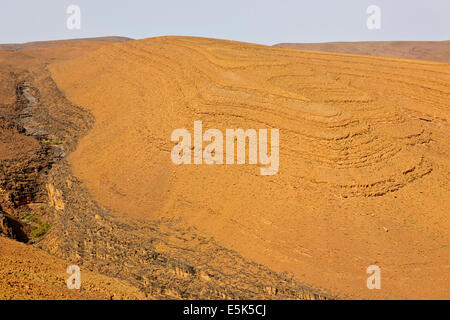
x: 30, y: 273
x: 364, y: 155
x: 422, y: 50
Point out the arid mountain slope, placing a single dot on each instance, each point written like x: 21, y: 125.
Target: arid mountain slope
x: 364, y: 156
x: 423, y: 50
x: 44, y: 205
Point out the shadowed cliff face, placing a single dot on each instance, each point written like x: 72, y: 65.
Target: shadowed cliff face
x: 363, y: 156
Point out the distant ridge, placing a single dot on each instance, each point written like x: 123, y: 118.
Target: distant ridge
x: 52, y: 43
x: 438, y: 51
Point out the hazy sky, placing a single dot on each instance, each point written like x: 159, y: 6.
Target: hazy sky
x: 258, y: 21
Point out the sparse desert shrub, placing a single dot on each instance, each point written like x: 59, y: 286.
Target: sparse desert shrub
x: 41, y: 230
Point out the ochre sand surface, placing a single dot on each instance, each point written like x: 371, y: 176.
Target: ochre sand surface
x: 30, y: 273
x: 364, y: 155
x: 423, y: 50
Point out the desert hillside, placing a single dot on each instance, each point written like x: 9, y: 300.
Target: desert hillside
x: 363, y: 175
x: 423, y: 50
x: 44, y: 205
